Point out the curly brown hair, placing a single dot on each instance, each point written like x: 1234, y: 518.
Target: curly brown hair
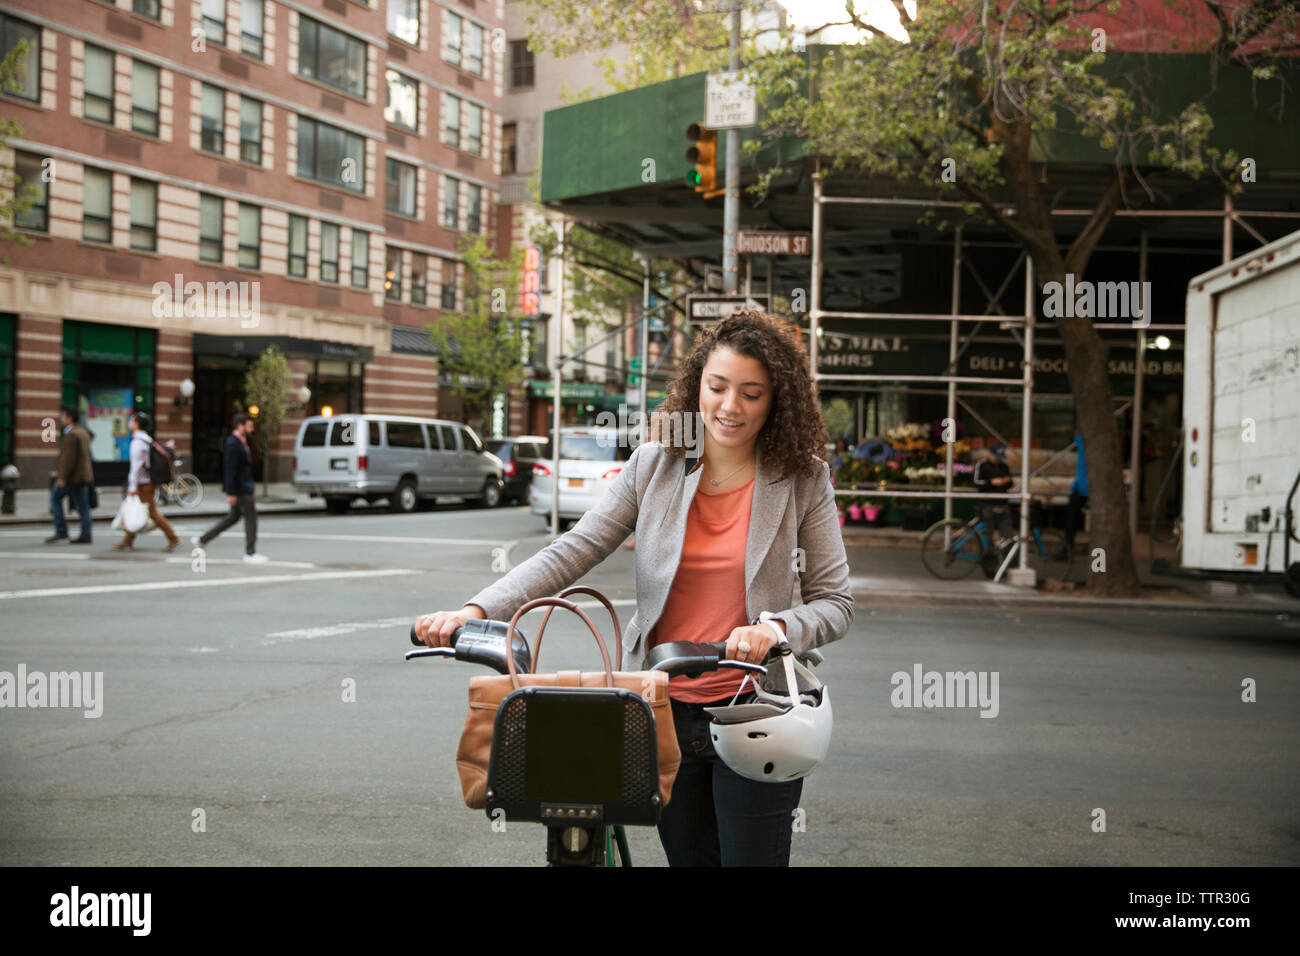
x: 794, y: 435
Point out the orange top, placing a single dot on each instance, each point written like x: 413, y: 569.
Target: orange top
x: 707, y: 598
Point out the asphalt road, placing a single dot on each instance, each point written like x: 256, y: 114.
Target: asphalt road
x: 224, y: 692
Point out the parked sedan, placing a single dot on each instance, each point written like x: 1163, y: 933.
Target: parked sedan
x: 591, y: 459
x: 517, y: 456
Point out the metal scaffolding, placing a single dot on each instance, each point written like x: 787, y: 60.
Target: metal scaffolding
x: 1024, y: 574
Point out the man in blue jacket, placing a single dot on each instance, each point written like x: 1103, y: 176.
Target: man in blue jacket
x: 237, y: 481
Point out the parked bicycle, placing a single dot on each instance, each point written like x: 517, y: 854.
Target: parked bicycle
x: 583, y: 761
x: 184, y: 489
x: 953, y: 548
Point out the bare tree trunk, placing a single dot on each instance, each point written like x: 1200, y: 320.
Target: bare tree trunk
x: 1113, y: 572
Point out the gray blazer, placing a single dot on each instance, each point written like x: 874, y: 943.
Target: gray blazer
x: 651, y: 496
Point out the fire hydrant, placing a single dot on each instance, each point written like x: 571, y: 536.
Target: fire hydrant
x: 8, y: 484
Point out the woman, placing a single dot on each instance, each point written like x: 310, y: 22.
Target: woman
x: 139, y: 483
x: 724, y: 533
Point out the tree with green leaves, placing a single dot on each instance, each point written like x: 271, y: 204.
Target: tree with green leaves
x: 16, y: 198
x: 480, y: 345
x: 958, y: 105
x: 266, y: 385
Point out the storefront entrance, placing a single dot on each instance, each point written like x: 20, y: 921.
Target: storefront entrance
x: 218, y: 395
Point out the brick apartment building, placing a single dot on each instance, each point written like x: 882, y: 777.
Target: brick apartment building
x: 313, y: 163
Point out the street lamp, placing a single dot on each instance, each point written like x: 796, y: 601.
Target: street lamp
x: 187, y: 393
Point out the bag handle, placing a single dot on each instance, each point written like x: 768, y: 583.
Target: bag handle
x: 582, y: 589
x: 554, y: 602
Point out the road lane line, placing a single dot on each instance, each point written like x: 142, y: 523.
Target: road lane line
x: 216, y: 583
x: 82, y: 556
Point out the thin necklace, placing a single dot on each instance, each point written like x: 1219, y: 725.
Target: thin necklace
x: 717, y: 481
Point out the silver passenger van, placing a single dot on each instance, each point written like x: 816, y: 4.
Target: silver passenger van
x: 393, y: 457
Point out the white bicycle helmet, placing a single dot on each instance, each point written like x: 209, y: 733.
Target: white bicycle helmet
x: 778, y: 736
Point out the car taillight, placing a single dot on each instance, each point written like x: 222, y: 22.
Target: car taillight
x: 611, y: 473
x: 541, y: 471
x: 363, y: 462
x: 295, y: 463
x: 509, y: 469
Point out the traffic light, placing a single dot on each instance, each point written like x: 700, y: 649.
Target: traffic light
x: 703, y: 153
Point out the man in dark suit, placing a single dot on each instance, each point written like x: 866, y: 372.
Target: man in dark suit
x: 237, y: 481
x: 75, y: 477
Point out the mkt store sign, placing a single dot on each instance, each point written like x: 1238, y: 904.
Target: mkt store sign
x: 840, y: 352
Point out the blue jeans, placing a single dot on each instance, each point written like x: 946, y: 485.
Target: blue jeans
x: 79, y: 492
x: 716, y: 817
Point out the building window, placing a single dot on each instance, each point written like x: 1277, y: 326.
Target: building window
x: 250, y: 130
x: 393, y: 274
x: 99, y: 85
x: 341, y: 386
x: 451, y: 204
x: 473, y: 216
x: 144, y: 215
x: 97, y: 205
x: 401, y: 108
x: 298, y: 247
x: 148, y: 8
x: 214, y: 21
x: 521, y: 65
x: 509, y: 154
x: 108, y: 372
x: 360, y: 258
x: 251, y: 25
x: 451, y: 123
x: 212, y: 102
x: 331, y: 56
x: 474, y: 53
x: 404, y: 20
x: 27, y: 78
x: 474, y: 129
x: 329, y: 252
x: 400, y: 187
x: 35, y: 214
x: 211, y: 224
x: 451, y: 38
x: 331, y: 155
x: 419, y: 270
x: 448, y: 297
x: 144, y: 98
x: 250, y: 236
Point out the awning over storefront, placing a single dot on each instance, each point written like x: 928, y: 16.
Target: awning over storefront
x: 252, y: 345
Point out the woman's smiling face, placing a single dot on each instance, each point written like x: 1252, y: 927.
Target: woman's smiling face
x: 735, y: 397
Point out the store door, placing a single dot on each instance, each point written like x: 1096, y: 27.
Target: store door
x: 218, y: 394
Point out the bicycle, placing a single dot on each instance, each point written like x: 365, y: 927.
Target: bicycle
x: 952, y: 548
x: 184, y: 489
x: 584, y: 794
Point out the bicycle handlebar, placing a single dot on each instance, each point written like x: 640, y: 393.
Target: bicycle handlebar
x: 483, y: 642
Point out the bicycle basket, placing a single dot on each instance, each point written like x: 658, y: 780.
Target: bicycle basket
x: 574, y: 754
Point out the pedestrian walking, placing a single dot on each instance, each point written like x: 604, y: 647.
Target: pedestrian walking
x: 75, y: 477
x: 992, y: 476
x: 141, y: 480
x: 714, y: 540
x: 1078, y: 494
x: 237, y: 482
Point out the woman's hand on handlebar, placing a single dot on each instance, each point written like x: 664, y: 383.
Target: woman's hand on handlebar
x: 760, y: 641
x: 436, y: 629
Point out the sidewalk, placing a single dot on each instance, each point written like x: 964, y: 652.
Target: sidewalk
x: 886, y: 563
x: 32, y: 506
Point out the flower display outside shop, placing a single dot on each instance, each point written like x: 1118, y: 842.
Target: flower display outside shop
x: 911, y: 455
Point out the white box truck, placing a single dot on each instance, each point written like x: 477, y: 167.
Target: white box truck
x: 1241, y: 415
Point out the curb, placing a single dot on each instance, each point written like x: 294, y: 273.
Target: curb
x: 1030, y: 599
